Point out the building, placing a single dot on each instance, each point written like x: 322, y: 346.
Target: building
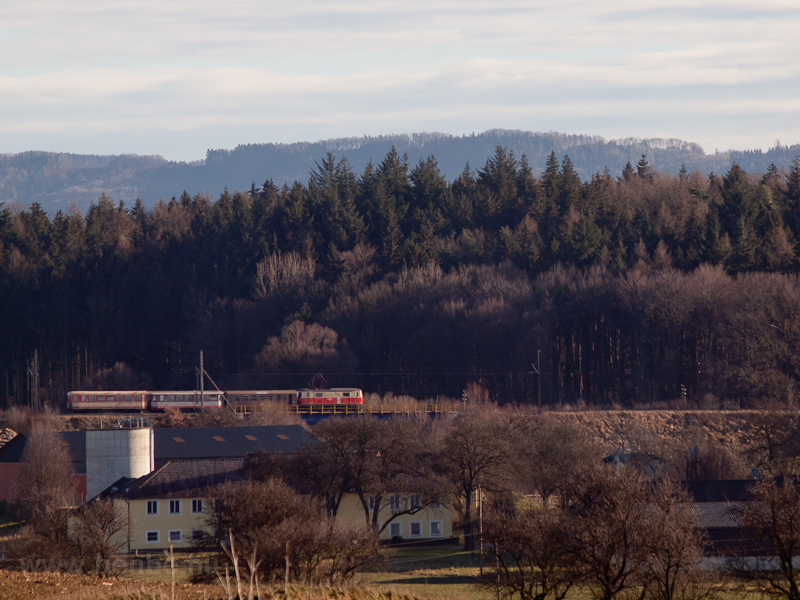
x: 186, y: 443
x: 11, y: 457
x: 169, y: 504
x: 718, y: 508
x: 429, y: 523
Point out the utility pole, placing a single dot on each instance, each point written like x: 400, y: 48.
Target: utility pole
x: 33, y: 373
x: 537, y: 368
x: 202, y: 384
x: 539, y: 376
x: 480, y: 528
x: 203, y: 374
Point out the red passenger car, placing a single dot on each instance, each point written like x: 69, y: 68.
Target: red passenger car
x: 330, y: 396
x: 85, y: 401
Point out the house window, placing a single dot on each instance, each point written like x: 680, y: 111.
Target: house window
x: 395, y: 502
x: 436, y: 528
x: 152, y: 537
x: 176, y: 535
x: 415, y: 529
x: 152, y: 507
x: 197, y: 505
x: 415, y: 501
x: 395, y: 529
x: 371, y: 502
x: 435, y: 505
x: 174, y: 507
x: 198, y: 534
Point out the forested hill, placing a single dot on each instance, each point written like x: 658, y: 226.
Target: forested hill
x: 637, y: 287
x: 55, y: 181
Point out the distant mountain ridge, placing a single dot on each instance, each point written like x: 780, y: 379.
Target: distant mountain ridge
x: 57, y: 181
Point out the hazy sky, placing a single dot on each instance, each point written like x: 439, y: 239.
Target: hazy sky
x: 176, y: 77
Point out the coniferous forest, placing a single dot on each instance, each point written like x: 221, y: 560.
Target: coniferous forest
x: 632, y: 288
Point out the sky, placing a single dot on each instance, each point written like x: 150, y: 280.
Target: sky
x: 178, y: 77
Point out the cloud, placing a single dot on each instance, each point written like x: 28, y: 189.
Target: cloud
x: 316, y: 69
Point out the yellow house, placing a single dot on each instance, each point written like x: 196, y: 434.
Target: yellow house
x: 168, y: 506
x: 401, y: 516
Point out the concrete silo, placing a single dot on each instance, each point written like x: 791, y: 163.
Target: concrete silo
x: 115, y: 453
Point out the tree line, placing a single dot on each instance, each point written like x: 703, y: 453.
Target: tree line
x: 636, y: 289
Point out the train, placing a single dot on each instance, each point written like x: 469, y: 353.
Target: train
x: 240, y: 400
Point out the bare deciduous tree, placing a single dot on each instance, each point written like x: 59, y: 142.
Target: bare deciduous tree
x: 283, y: 275
x: 46, y: 488
x: 262, y: 522
x: 99, y: 530
x: 608, y: 510
x: 673, y: 547
x: 303, y: 348
x: 475, y: 450
x: 550, y: 453
x: 119, y: 377
x: 375, y: 458
x: 532, y: 553
x: 773, y: 516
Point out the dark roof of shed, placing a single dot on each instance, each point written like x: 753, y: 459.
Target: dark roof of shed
x: 227, y: 442
x: 187, y: 443
x: 179, y: 479
x: 75, y: 441
x: 720, y: 490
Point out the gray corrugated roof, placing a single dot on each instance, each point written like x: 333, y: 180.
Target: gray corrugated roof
x: 718, y: 515
x: 187, y: 443
x: 226, y: 442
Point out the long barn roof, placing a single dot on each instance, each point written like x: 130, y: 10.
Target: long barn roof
x: 187, y: 443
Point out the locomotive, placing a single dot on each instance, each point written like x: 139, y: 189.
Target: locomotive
x: 241, y: 400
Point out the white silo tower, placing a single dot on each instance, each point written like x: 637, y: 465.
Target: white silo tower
x: 115, y: 453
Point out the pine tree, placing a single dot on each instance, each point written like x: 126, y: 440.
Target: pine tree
x: 643, y: 169
x: 791, y: 199
x: 497, y: 183
x: 627, y: 172
x: 738, y: 201
x: 332, y: 190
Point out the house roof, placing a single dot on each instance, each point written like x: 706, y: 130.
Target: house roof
x: 179, y: 479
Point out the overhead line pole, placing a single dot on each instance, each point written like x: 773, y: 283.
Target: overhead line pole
x: 537, y: 368
x: 204, y: 373
x: 202, y: 384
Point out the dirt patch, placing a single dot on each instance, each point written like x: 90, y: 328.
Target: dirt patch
x: 16, y: 585
x: 618, y: 429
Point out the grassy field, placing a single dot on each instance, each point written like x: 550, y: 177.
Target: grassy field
x: 435, y: 573
x: 444, y: 573
x: 404, y: 573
